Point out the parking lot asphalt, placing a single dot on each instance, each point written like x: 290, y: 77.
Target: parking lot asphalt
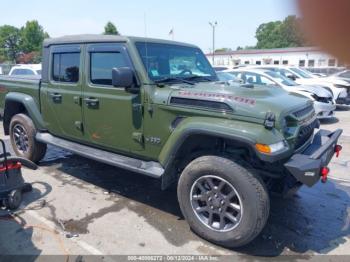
x: 79, y: 206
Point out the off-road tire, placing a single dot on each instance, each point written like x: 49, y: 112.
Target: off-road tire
x: 36, y: 150
x: 251, y: 189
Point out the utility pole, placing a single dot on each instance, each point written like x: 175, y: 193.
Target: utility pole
x: 213, y: 26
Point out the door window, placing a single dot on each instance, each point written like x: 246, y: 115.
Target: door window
x: 101, y: 65
x: 66, y: 67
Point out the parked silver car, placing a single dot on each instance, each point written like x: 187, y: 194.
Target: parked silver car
x: 340, y: 89
x: 322, y: 98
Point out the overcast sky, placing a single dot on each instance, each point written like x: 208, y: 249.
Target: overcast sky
x: 237, y: 19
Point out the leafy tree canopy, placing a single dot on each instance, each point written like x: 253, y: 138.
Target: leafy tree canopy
x: 110, y: 29
x: 224, y: 49
x: 22, y: 45
x: 9, y: 42
x: 280, y: 34
x: 32, y: 37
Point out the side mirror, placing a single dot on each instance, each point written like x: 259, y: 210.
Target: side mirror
x: 124, y: 77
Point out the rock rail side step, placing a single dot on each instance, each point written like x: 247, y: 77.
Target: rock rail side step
x: 149, y: 168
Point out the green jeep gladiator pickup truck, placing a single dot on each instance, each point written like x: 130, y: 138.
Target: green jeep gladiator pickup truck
x: 156, y: 108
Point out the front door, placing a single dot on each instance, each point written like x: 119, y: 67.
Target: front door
x: 112, y: 116
x: 61, y: 95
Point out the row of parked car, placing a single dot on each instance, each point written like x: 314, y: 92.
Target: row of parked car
x: 326, y: 92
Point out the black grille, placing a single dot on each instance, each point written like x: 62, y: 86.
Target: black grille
x: 303, y: 112
x: 327, y: 100
x: 305, y: 133
x: 200, y: 103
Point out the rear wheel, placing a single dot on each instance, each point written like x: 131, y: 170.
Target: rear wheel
x: 222, y: 201
x: 22, y: 135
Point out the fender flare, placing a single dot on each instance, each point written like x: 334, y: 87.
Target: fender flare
x: 246, y: 133
x: 29, y: 104
x: 218, y: 128
x: 199, y: 131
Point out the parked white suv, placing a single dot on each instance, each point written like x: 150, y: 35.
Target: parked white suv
x: 25, y: 70
x: 339, y: 88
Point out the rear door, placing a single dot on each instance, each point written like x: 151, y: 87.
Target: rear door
x: 61, y: 101
x: 112, y: 115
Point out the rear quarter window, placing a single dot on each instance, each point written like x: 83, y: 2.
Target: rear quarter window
x: 65, y: 67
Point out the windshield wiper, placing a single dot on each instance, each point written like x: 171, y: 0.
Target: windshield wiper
x: 173, y: 79
x: 197, y: 77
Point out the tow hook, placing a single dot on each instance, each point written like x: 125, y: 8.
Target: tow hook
x: 324, y: 174
x: 337, y: 150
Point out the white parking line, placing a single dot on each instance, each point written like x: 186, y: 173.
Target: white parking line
x: 339, y: 179
x: 90, y: 249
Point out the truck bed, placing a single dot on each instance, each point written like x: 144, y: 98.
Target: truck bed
x: 24, y: 84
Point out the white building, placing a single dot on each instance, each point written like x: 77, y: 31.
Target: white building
x: 296, y: 56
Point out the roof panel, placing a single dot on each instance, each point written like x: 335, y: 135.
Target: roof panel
x: 95, y: 38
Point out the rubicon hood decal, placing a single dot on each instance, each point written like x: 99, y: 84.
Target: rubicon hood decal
x: 217, y: 96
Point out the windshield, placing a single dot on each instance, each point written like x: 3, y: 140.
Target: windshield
x: 301, y: 73
x: 168, y: 61
x: 281, y: 79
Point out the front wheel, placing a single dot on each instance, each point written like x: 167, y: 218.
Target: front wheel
x: 223, y: 201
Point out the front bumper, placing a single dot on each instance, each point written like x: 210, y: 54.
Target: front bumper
x: 324, y: 110
x: 306, y: 166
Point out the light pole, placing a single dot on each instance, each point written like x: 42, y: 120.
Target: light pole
x: 213, y: 26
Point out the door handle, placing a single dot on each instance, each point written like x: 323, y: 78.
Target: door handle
x: 56, y: 97
x: 91, y: 102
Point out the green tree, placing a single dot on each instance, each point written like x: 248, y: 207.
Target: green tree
x: 32, y: 35
x: 224, y: 49
x: 9, y: 42
x: 291, y: 34
x: 268, y: 35
x: 110, y: 29
x: 247, y: 47
x: 279, y: 34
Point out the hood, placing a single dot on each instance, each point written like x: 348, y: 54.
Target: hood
x: 317, y: 90
x: 323, y: 81
x: 238, y: 100
x: 336, y: 81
